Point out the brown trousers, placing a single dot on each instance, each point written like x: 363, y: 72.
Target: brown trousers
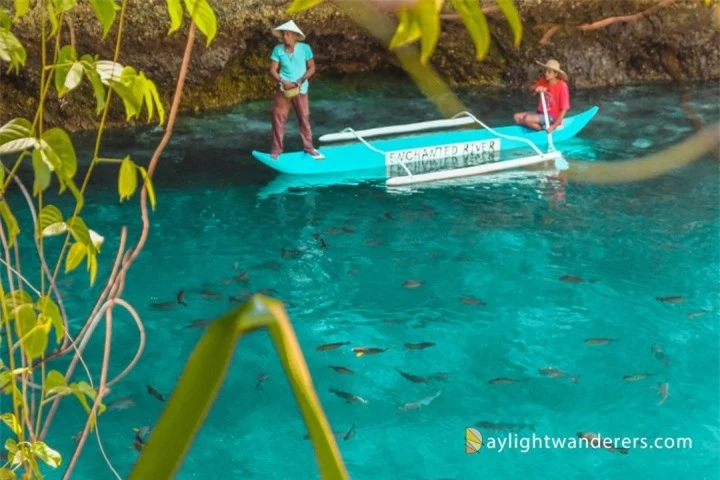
x: 280, y: 109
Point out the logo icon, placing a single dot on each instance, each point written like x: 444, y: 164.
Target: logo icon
x: 473, y: 440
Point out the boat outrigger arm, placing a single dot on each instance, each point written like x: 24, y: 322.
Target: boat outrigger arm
x: 350, y: 134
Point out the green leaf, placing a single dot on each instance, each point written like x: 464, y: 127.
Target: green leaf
x: 149, y: 186
x: 408, y: 29
x: 42, y: 173
x: 50, y: 221
x: 5, y: 19
x: 127, y: 181
x: 21, y: 8
x: 108, y: 71
x: 75, y: 256
x: 2, y: 174
x: 66, y: 60
x: 58, y: 141
x: 11, y: 225
x: 513, y: 18
x: 47, y: 307
x: 152, y: 99
x: 54, y: 382
x: 98, y: 88
x: 11, y: 421
x: 33, y: 334
x: 80, y: 232
x: 74, y: 76
x: 11, y: 50
x: 203, y: 376
x: 176, y: 13
x: 300, y: 5
x: 83, y: 390
x: 476, y: 24
x: 7, y: 474
x: 204, y: 16
x: 64, y: 5
x: 17, y: 298
x: 17, y: 145
x: 92, y: 266
x: 53, y: 16
x: 46, y: 454
x: 429, y: 21
x: 105, y: 12
x: 14, y: 129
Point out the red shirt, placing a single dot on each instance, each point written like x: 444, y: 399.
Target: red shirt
x: 557, y: 97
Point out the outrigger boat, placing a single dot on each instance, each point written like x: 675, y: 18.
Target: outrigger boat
x: 418, y: 152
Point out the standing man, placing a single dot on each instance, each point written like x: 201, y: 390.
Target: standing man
x: 292, y: 65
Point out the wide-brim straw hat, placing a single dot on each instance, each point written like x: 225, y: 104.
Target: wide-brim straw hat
x: 553, y: 64
x: 289, y: 27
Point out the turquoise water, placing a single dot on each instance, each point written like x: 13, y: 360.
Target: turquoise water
x: 489, y: 257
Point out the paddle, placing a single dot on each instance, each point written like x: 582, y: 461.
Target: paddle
x: 560, y: 162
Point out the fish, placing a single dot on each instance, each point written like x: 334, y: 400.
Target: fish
x: 423, y: 402
x: 152, y: 391
x: 599, y: 340
x: 411, y: 377
x: 352, y: 271
x: 472, y: 301
x: 210, y: 294
x: 503, y: 381
x: 242, y: 298
x: 121, y: 404
x: 697, y: 313
x: 163, y: 305
x: 671, y: 299
x: 555, y: 373
x: 663, y: 388
x: 323, y: 244
x: 139, y: 443
x: 571, y: 279
x: 439, y: 376
x: 348, y: 397
x: 241, y: 277
x: 655, y: 349
x: 419, y: 346
x: 594, y: 440
x: 513, y: 427
x: 388, y: 215
x: 291, y: 253
x: 413, y: 283
x: 635, y: 377
x: 331, y: 346
x: 260, y: 379
x: 342, y: 370
x: 350, y: 433
x: 267, y: 291
x: 199, y: 323
x: 181, y: 298
x: 347, y: 229
x: 360, y: 351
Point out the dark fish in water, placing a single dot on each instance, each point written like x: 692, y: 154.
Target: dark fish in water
x: 512, y: 427
x: 555, y: 373
x: 657, y: 351
x: 350, y: 433
x: 331, y: 346
x: 697, y: 313
x: 636, y: 377
x: 347, y: 230
x: 413, y: 283
x: 360, y: 351
x: 471, y: 301
x: 571, y: 279
x: 663, y: 389
x: 352, y: 271
x: 595, y: 441
x: 163, y: 305
x: 139, y: 442
x: 419, y: 346
x: 599, y: 340
x: 342, y: 370
x: 439, y: 376
x: 502, y: 381
x: 242, y: 277
x: 181, y: 298
x: 210, y: 294
x: 267, y: 291
x: 260, y: 379
x: 316, y: 235
x: 242, y: 298
x: 121, y: 404
x: 388, y: 215
x: 671, y: 299
x: 199, y: 323
x: 348, y: 397
x: 323, y: 244
x: 411, y: 377
x: 152, y: 391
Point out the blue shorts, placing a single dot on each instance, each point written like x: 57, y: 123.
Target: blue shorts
x: 551, y: 119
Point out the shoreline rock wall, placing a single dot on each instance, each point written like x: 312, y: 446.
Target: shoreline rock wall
x: 678, y: 42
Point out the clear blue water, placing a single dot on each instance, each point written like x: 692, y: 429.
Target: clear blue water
x: 505, y: 241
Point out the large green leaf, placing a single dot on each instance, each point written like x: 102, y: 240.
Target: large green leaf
x: 203, y: 376
x: 17, y: 298
x: 408, y: 29
x: 66, y: 60
x: 55, y: 384
x: 21, y: 8
x: 5, y: 19
x: 7, y: 474
x: 58, y: 141
x: 476, y: 24
x: 33, y: 334
x: 513, y: 17
x: 88, y: 64
x: 12, y: 228
x: 64, y: 5
x: 11, y: 421
x: 204, y: 16
x: 175, y: 11
x: 47, y: 454
x: 11, y: 50
x: 75, y: 256
x: 429, y: 21
x: 105, y: 11
x: 50, y: 221
x: 14, y: 129
x: 80, y: 231
x: 127, y: 181
x: 299, y: 5
x: 47, y: 307
x: 42, y: 173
